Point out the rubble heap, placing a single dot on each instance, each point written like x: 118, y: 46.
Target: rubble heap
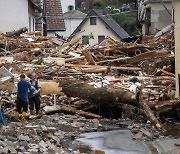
x: 111, y: 74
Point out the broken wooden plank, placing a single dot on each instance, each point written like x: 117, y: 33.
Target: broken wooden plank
x: 167, y: 73
x: 16, y: 33
x: 94, y: 70
x: 122, y: 59
x: 110, y: 67
x: 74, y: 59
x: 50, y: 87
x: 89, y: 57
x: 147, y: 55
x: 68, y: 110
x: 127, y: 48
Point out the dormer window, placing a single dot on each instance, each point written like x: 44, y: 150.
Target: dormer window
x: 70, y: 7
x: 92, y: 20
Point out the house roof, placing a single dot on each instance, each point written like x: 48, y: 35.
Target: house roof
x: 107, y: 20
x: 35, y: 5
x: 74, y: 14
x: 54, y: 16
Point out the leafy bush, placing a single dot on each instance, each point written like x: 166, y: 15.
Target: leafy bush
x: 98, y: 4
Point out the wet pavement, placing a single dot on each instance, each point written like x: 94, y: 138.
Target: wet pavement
x: 122, y: 142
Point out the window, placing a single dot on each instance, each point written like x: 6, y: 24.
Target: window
x: 101, y: 38
x: 85, y: 40
x: 92, y: 20
x: 33, y: 24
x: 70, y: 7
x: 29, y: 23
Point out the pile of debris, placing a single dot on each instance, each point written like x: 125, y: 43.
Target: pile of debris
x: 110, y: 75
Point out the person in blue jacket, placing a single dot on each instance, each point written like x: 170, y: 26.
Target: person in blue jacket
x: 23, y: 87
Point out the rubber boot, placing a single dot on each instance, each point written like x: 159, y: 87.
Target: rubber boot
x: 99, y: 152
x: 32, y: 112
x: 37, y: 112
x: 23, y: 116
x: 16, y: 116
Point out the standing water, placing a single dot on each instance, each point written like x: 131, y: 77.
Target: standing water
x: 115, y: 142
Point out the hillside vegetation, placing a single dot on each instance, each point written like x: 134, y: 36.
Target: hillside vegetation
x: 127, y: 20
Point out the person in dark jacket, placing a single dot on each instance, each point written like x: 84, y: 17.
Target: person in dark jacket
x: 34, y: 97
x: 22, y: 97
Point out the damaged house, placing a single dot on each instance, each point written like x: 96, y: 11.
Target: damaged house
x: 154, y: 15
x: 27, y: 14
x: 96, y: 26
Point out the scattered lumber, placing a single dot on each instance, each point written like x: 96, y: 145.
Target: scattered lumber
x: 149, y: 60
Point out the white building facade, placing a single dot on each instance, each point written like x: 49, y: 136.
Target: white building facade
x: 72, y: 19
x: 15, y: 14
x: 98, y: 25
x: 97, y: 31
x: 67, y: 5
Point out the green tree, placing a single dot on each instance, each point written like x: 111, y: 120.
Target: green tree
x: 98, y: 4
x: 127, y: 20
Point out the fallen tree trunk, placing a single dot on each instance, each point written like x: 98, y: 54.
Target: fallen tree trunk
x: 105, y: 96
x: 109, y: 96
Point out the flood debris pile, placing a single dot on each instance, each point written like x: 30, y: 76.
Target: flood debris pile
x: 108, y: 79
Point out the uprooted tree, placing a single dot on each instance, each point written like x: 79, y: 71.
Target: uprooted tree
x: 107, y: 96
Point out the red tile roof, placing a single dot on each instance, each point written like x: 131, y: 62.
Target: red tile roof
x: 54, y: 16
